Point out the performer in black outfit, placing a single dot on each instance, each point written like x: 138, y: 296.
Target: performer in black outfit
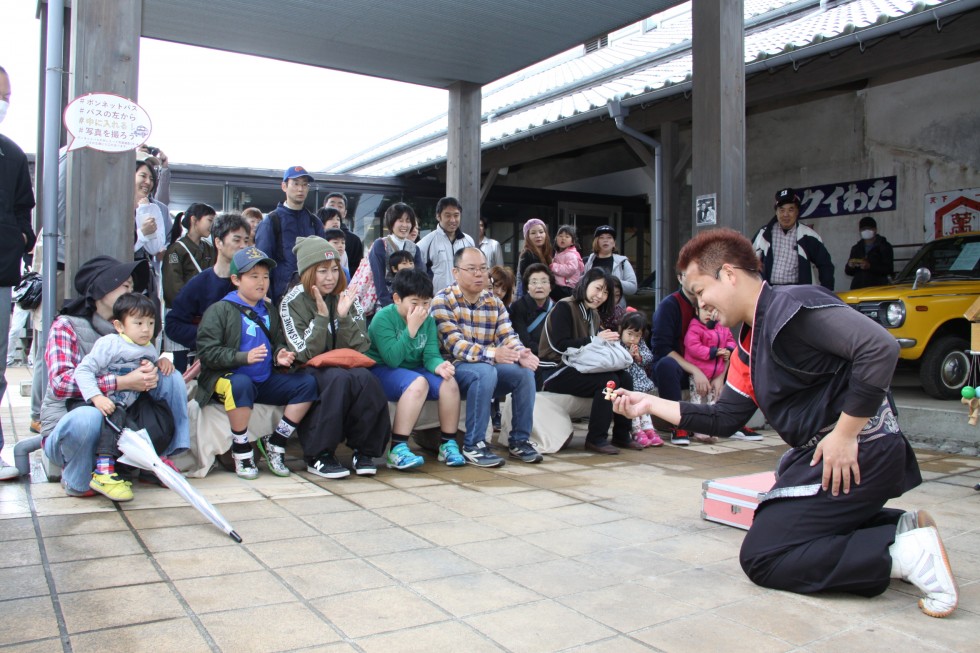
x: 820, y: 372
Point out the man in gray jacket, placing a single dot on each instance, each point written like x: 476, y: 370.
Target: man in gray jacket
x: 441, y: 244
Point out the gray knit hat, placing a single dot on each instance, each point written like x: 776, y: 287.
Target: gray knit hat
x: 312, y: 250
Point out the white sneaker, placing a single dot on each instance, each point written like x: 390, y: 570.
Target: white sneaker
x: 915, y: 519
x: 8, y: 473
x: 742, y: 435
x: 919, y: 557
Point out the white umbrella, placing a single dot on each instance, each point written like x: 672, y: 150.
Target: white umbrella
x: 138, y: 451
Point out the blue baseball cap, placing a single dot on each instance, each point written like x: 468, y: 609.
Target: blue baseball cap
x: 246, y: 259
x: 296, y: 172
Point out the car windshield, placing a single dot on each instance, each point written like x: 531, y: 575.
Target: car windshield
x: 952, y: 258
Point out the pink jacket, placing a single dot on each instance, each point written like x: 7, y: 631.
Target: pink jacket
x: 701, y: 344
x: 568, y: 267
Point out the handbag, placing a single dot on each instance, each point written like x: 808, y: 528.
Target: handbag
x: 363, y: 284
x: 597, y: 356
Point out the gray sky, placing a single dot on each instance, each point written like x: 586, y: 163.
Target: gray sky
x: 218, y: 108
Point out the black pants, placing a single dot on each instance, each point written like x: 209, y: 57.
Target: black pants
x: 823, y: 543
x: 570, y: 381
x: 351, y: 407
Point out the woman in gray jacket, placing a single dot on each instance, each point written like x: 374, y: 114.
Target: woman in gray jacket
x: 604, y: 256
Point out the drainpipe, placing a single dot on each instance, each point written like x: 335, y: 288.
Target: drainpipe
x: 618, y: 113
x: 49, y: 175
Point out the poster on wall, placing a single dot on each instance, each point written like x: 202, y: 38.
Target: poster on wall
x: 952, y: 212
x: 849, y: 198
x: 706, y: 210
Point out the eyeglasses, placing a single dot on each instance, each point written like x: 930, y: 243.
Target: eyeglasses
x: 480, y: 270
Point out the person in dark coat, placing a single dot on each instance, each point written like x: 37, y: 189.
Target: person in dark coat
x: 872, y: 260
x: 820, y: 372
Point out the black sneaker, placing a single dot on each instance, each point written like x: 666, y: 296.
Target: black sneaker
x: 327, y: 466
x: 364, y: 465
x: 481, y: 456
x: 525, y: 452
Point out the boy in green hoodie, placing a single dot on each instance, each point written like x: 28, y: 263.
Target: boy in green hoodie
x: 405, y: 344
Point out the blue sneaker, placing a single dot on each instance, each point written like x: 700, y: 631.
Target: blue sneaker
x: 401, y: 457
x: 481, y: 456
x: 449, y: 454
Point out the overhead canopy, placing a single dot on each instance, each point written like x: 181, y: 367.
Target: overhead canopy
x: 428, y: 42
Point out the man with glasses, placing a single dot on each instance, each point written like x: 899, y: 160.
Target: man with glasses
x: 490, y: 360
x: 440, y: 245
x: 290, y: 220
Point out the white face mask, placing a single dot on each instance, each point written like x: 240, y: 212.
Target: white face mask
x: 867, y: 234
x: 3, y: 109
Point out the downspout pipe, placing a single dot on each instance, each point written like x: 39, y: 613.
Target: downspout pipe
x: 618, y: 113
x: 49, y: 174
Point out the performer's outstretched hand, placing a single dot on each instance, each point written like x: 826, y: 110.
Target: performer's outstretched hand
x: 631, y: 404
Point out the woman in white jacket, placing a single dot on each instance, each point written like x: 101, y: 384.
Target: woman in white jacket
x: 604, y: 256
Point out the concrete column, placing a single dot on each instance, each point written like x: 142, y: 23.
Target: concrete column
x: 463, y: 160
x: 105, y: 37
x: 719, y: 108
x: 670, y: 244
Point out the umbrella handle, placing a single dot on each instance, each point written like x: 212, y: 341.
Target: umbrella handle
x: 114, y: 427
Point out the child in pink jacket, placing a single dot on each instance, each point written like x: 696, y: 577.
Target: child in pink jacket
x: 567, y: 264
x: 708, y: 345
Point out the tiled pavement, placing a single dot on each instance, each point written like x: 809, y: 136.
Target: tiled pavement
x: 583, y: 552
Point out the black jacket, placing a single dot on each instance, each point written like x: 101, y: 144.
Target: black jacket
x: 353, y: 247
x: 882, y: 260
x: 809, y: 248
x: 16, y: 203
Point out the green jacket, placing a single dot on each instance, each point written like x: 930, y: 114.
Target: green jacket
x: 310, y: 334
x: 219, y: 339
x: 392, y: 346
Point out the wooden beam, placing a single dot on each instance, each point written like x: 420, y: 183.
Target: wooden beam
x: 683, y: 160
x: 644, y: 154
x: 488, y: 184
x: 463, y: 160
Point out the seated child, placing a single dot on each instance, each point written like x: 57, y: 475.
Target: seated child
x: 399, y: 260
x: 405, y: 343
x: 633, y: 332
x: 615, y: 315
x: 708, y: 345
x: 567, y: 264
x: 336, y: 238
x: 134, y: 317
x: 234, y: 341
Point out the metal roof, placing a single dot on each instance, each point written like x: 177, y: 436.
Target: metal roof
x: 654, y: 58
x: 428, y: 42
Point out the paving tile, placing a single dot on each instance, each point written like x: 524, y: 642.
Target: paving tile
x: 22, y: 582
x: 95, y: 609
x: 540, y: 500
x: 627, y: 607
x: 240, y: 590
x: 783, y: 616
x: 273, y: 528
x: 345, y: 522
x: 163, y: 517
x: 583, y: 514
x: 379, y: 541
x: 636, y: 530
x: 873, y: 638
x: 385, y: 499
x: 709, y: 633
x: 448, y: 533
x: 959, y: 632
x: 409, y: 480
x: 507, y: 552
x: 421, y: 564
x: 541, y: 626
x: 171, y: 636
x: 260, y: 508
x: 573, y: 541
x: 17, y: 553
x: 16, y: 529
x: 631, y: 563
x: 475, y: 593
x: 422, y: 513
x: 557, y: 578
x: 206, y: 562
x: 702, y: 588
x: 618, y: 644
x: 95, y: 573
x: 24, y: 620
x: 82, y: 524
x: 179, y: 538
x: 298, y: 551
x: 327, y: 578
x: 378, y: 611
x: 250, y: 629
x: 520, y: 523
x: 38, y: 646
x: 696, y: 548
x: 434, y: 638
x: 316, y: 505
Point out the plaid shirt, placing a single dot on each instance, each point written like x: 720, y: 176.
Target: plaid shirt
x: 785, y: 260
x: 62, y: 355
x: 470, y: 333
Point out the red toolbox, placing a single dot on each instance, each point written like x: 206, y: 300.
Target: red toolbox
x: 732, y: 500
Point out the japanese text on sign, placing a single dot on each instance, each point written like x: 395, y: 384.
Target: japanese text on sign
x: 952, y: 212
x: 105, y: 122
x: 849, y: 198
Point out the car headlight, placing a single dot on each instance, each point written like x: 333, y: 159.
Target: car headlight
x: 895, y: 314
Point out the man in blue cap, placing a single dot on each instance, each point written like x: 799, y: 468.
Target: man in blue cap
x: 278, y: 232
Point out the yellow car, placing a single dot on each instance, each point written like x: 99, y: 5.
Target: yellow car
x: 924, y: 309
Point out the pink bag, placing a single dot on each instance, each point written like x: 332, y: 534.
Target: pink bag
x: 363, y: 285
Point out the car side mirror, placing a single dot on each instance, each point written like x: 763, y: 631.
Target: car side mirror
x: 922, y: 275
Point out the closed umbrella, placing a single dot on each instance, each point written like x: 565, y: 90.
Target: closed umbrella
x: 138, y: 451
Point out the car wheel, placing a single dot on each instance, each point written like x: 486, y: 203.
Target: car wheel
x: 945, y: 367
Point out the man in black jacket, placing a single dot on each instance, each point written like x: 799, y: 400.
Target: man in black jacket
x: 353, y: 246
x: 16, y: 203
x: 872, y: 259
